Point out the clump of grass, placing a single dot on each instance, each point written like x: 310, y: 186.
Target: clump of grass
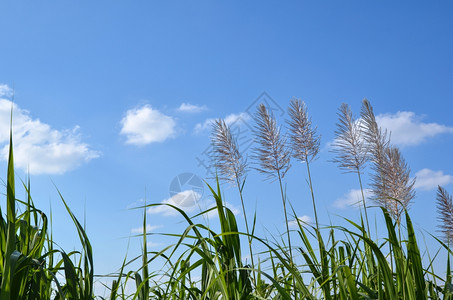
x: 350, y: 267
x: 204, y: 264
x: 30, y: 266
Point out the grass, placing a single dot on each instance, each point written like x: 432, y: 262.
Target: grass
x: 318, y: 262
x: 30, y: 266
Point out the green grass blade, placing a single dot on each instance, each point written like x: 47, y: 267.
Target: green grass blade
x: 145, y: 272
x: 415, y: 261
x: 71, y: 278
x: 87, y: 254
x: 8, y: 270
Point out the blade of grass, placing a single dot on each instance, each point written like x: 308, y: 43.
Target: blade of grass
x: 8, y: 269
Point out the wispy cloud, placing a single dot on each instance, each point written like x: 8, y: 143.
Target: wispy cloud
x: 429, y: 180
x: 190, y: 202
x: 149, y: 228
x: 190, y: 108
x: 145, y: 125
x: 229, y: 120
x: 303, y: 220
x: 5, y: 91
x: 38, y: 148
x: 353, y: 198
x: 408, y: 129
x: 214, y: 213
x: 153, y: 245
x: 136, y: 203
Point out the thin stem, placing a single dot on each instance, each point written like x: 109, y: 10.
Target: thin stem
x: 287, y: 225
x: 403, y: 269
x: 363, y: 200
x: 286, y: 216
x: 246, y: 227
x: 312, y: 194
x: 367, y: 247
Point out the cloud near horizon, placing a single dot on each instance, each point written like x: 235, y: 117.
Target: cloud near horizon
x: 38, y: 148
x: 407, y: 129
x: 145, y: 125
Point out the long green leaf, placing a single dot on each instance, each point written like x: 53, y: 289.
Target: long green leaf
x: 8, y: 269
x: 415, y: 261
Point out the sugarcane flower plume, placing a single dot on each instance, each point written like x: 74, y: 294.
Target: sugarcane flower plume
x: 305, y: 141
x: 445, y: 214
x: 349, y: 146
x: 375, y: 138
x: 391, y: 185
x: 271, y: 153
x: 227, y: 159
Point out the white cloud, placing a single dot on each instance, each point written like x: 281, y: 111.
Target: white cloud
x: 187, y: 200
x: 145, y: 125
x: 302, y: 220
x: 38, y: 148
x: 214, y: 213
x: 103, y: 284
x: 5, y: 91
x: 206, y: 125
x: 190, y: 202
x: 135, y: 204
x: 149, y: 228
x: 427, y: 179
x: 352, y: 199
x: 407, y: 129
x: 153, y: 245
x: 233, y: 118
x: 229, y: 120
x: 190, y: 108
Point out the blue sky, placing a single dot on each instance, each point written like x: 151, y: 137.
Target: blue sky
x: 113, y: 100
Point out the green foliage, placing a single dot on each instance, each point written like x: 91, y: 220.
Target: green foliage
x: 332, y: 262
x: 29, y: 263
x: 203, y: 264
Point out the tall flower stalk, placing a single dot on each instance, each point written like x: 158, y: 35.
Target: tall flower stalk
x: 350, y: 148
x: 230, y: 165
x: 304, y: 141
x: 391, y: 185
x: 272, y: 154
